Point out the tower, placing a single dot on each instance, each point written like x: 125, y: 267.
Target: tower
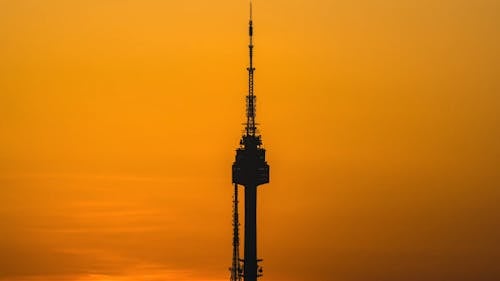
x: 235, y: 269
x: 250, y: 170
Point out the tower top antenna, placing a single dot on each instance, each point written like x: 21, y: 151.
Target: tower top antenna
x: 250, y: 127
x: 250, y: 10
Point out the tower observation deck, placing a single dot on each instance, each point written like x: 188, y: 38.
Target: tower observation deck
x: 249, y: 170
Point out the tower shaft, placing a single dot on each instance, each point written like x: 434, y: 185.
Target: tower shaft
x: 250, y: 265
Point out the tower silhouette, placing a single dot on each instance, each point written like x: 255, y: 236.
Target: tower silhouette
x: 250, y: 170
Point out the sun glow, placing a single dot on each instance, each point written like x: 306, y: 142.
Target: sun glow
x: 119, y: 121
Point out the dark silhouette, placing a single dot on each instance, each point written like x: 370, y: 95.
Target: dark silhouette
x: 250, y: 169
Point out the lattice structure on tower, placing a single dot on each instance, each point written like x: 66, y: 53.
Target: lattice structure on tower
x: 235, y: 269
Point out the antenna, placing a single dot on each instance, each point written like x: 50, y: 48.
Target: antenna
x: 250, y: 10
x: 235, y: 269
x: 250, y: 127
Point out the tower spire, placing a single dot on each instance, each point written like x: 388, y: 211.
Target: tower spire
x: 250, y: 127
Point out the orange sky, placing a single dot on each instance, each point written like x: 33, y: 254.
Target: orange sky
x: 119, y: 120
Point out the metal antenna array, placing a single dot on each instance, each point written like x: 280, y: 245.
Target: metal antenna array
x: 250, y: 170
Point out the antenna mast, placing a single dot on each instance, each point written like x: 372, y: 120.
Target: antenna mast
x: 235, y: 269
x: 250, y: 127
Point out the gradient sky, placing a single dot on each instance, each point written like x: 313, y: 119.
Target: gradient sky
x: 119, y: 120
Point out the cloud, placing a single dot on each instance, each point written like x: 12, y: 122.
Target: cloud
x: 139, y: 272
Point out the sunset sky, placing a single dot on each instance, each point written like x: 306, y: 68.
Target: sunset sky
x: 119, y: 120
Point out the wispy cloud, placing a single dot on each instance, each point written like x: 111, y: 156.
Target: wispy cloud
x: 139, y: 272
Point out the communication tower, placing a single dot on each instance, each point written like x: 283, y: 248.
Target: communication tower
x: 249, y: 170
